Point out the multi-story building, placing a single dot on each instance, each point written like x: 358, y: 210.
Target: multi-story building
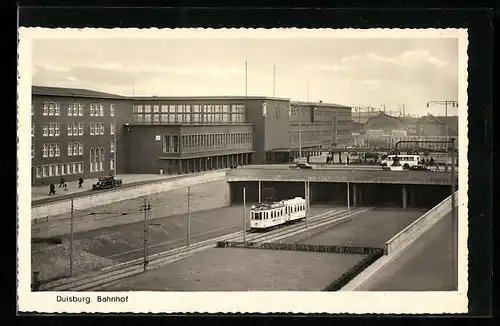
x: 73, y: 133
x: 82, y: 133
x: 183, y: 135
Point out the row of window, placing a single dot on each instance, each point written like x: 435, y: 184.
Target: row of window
x: 75, y: 148
x: 53, y: 170
x: 180, y: 118
x: 73, y: 109
x: 53, y: 129
x: 306, y: 136
x: 190, y: 108
x: 236, y: 140
x: 277, y: 212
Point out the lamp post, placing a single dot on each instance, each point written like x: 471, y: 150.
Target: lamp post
x: 454, y: 216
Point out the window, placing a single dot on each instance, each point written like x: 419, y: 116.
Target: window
x: 45, y: 108
x: 164, y: 118
x: 156, y: 108
x: 93, y: 110
x: 69, y: 169
x: 32, y: 150
x: 91, y: 160
x: 80, y: 110
x: 156, y: 118
x: 57, y: 169
x: 101, y: 110
x: 80, y: 148
x: 80, y: 167
x: 170, y: 144
x: 51, y: 129
x: 101, y: 159
x: 45, y: 129
x: 44, y: 171
x: 112, y: 164
x: 164, y: 109
x: 51, y: 170
x: 51, y: 150
x: 80, y: 129
x: 32, y: 108
x: 112, y: 110
x: 147, y: 108
x: 112, y: 129
x: 70, y: 149
x: 38, y: 172
x: 92, y: 128
x: 32, y: 129
x: 51, y: 108
x: 70, y: 129
x: 112, y: 147
x: 57, y: 150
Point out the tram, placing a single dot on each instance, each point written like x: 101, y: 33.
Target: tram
x: 267, y: 215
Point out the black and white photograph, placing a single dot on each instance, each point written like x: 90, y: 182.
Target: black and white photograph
x: 245, y: 170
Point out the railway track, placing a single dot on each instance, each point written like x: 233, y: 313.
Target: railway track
x: 115, y: 273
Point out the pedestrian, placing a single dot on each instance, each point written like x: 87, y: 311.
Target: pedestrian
x: 65, y: 186
x: 80, y: 182
x: 348, y: 160
x: 62, y: 181
x: 52, y: 189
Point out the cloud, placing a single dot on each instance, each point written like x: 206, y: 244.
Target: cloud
x: 407, y: 67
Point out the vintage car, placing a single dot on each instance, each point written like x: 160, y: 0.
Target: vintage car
x: 107, y: 182
x: 419, y: 167
x: 301, y: 165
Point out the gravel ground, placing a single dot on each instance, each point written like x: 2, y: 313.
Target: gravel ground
x: 53, y: 262
x: 234, y: 269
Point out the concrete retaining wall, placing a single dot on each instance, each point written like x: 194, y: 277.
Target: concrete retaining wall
x: 101, y: 199
x: 426, y: 220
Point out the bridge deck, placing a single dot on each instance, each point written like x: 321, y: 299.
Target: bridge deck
x: 342, y: 176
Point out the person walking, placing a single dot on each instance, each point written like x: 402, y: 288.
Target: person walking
x: 52, y: 189
x: 63, y: 180
x: 80, y: 182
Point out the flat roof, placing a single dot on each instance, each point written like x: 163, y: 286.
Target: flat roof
x: 80, y: 92
x: 72, y: 92
x: 210, y: 98
x: 322, y: 104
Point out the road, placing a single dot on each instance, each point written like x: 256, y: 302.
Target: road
x: 371, y: 229
x: 425, y: 265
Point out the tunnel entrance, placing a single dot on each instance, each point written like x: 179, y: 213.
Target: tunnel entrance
x: 360, y: 194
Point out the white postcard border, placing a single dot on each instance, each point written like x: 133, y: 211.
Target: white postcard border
x: 235, y: 302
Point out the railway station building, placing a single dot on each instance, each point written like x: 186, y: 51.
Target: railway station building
x: 83, y: 133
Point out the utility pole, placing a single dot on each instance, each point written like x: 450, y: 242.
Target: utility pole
x: 246, y: 78
x: 274, y: 81
x: 188, y: 222
x: 146, y: 208
x: 308, y: 90
x: 454, y: 215
x: 300, y: 130
x: 244, y: 213
x: 71, y: 241
x: 306, y: 197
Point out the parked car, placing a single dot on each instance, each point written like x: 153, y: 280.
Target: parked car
x: 106, y: 183
x: 301, y: 165
x: 419, y: 167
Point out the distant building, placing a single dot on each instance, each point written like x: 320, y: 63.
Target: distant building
x: 430, y: 125
x: 384, y: 122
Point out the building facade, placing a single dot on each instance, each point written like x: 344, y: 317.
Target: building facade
x: 82, y: 133
x: 73, y: 134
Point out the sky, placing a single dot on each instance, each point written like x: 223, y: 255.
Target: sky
x: 354, y: 72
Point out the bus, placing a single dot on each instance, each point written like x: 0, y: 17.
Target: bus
x: 406, y: 161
